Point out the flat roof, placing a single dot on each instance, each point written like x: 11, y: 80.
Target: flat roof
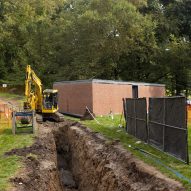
x: 99, y: 81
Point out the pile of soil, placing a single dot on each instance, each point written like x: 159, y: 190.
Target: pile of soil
x: 40, y: 159
x: 70, y: 157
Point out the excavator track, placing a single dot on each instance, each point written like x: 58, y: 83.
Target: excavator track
x: 58, y: 117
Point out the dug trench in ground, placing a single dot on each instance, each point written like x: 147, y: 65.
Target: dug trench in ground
x: 70, y: 157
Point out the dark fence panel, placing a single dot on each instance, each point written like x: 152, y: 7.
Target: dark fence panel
x: 141, y: 119
x: 156, y: 119
x: 167, y: 127
x: 136, y: 116
x: 124, y: 109
x: 130, y: 115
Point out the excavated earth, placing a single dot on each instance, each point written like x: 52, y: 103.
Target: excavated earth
x: 70, y: 157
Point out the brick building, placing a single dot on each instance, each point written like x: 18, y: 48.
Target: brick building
x: 101, y: 96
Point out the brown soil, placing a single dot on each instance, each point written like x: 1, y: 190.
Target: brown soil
x: 40, y: 159
x: 69, y: 157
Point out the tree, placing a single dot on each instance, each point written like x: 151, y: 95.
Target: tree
x: 100, y: 33
x: 179, y: 13
x: 69, y: 40
x: 176, y: 57
x: 25, y: 29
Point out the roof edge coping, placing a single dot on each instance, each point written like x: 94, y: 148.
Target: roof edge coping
x: 99, y: 81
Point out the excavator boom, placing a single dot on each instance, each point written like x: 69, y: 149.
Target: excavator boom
x: 33, y: 90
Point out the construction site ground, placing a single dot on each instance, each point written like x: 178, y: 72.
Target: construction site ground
x: 86, y: 156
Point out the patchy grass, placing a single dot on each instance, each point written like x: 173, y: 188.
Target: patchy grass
x: 15, y: 99
x: 10, y: 96
x: 10, y: 165
x: 109, y: 128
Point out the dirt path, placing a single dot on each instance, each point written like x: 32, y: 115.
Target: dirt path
x: 70, y: 157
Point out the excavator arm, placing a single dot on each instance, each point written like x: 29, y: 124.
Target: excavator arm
x: 33, y: 91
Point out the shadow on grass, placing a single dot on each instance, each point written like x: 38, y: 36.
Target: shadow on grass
x: 7, y: 131
x: 23, y: 130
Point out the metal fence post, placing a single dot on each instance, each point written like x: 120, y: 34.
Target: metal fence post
x: 186, y: 122
x: 135, y: 116
x: 13, y: 123
x: 164, y: 123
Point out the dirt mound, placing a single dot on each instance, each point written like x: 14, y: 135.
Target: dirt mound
x: 35, y: 149
x: 70, y: 157
x: 40, y: 159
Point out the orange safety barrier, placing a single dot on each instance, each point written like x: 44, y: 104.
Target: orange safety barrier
x: 189, y: 113
x: 5, y: 116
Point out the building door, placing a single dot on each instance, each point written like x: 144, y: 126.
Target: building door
x: 135, y: 92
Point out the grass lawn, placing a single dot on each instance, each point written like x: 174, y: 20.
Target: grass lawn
x: 109, y: 128
x: 10, y: 165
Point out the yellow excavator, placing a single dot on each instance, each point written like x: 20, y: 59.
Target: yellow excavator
x: 43, y: 102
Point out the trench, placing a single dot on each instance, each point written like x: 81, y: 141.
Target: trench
x: 64, y: 167
x: 70, y: 157
x: 86, y: 161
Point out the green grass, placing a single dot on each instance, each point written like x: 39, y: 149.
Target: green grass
x: 10, y: 165
x: 109, y: 128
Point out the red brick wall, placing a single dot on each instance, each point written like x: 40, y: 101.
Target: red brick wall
x: 108, y: 97
x: 99, y: 97
x: 74, y: 97
x: 151, y: 91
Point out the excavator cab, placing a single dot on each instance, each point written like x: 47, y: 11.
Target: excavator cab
x: 50, y: 101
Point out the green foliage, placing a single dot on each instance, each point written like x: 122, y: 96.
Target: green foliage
x: 101, y: 33
x: 70, y: 40
x: 176, y: 55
